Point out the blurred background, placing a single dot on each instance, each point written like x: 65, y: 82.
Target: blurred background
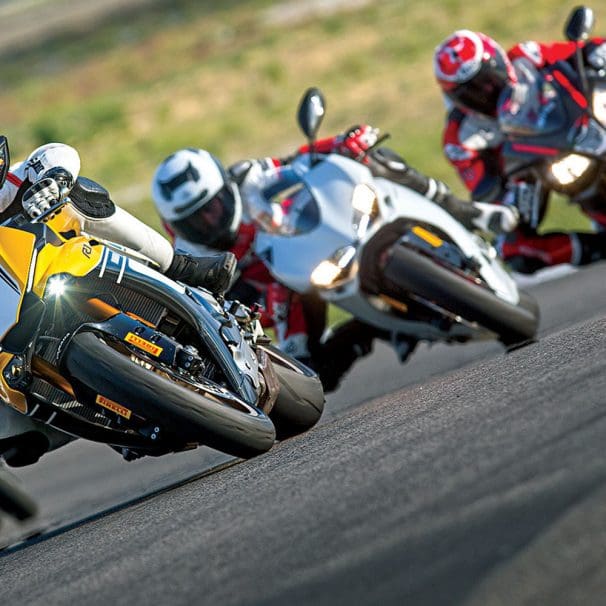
x: 127, y: 82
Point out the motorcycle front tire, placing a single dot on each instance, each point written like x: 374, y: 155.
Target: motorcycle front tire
x: 238, y: 429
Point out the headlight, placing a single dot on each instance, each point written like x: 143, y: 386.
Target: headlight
x: 330, y: 271
x: 56, y: 287
x: 570, y: 168
x: 599, y: 105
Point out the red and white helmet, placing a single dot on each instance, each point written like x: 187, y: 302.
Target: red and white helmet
x: 472, y: 70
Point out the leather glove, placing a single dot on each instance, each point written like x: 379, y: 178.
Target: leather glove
x: 358, y: 139
x: 596, y: 57
x: 521, y: 196
x: 40, y: 197
x: 496, y: 218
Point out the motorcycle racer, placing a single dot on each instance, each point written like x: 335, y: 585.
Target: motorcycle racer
x: 51, y: 170
x: 476, y: 77
x: 204, y: 206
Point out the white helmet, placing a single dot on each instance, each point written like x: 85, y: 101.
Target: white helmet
x: 196, y: 199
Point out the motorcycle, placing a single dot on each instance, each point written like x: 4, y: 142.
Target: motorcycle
x: 96, y: 344
x: 385, y: 254
x: 555, y: 136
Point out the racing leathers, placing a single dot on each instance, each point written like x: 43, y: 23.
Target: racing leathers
x: 36, y: 183
x: 473, y: 143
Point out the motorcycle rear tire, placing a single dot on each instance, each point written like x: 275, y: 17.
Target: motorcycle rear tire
x: 408, y: 271
x: 300, y: 402
x: 242, y: 431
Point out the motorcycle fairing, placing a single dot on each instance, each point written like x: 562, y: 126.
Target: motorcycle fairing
x: 332, y: 183
x: 536, y: 126
x: 29, y: 256
x: 532, y: 106
x: 293, y: 258
x: 199, y: 310
x: 10, y: 396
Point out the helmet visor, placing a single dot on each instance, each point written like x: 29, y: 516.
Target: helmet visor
x: 481, y: 93
x: 213, y: 223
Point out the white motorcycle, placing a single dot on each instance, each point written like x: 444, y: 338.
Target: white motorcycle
x: 387, y: 255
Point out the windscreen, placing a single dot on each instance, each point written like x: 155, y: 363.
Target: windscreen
x: 296, y: 207
x: 532, y: 106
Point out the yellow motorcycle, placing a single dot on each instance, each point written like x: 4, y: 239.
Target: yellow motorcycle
x: 96, y: 344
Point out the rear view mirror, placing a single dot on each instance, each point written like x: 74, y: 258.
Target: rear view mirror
x: 579, y: 24
x: 5, y: 159
x: 311, y: 112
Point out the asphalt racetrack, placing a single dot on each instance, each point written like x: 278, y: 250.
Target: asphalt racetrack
x: 466, y: 476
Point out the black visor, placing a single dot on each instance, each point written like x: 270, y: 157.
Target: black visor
x: 481, y: 93
x: 211, y: 224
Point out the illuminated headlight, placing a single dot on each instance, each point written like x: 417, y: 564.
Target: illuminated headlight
x: 570, y: 168
x: 56, y: 287
x: 330, y: 271
x: 599, y: 105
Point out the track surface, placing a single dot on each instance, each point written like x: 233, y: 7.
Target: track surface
x: 483, y: 484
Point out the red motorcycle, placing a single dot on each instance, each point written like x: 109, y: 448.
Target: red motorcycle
x: 554, y: 121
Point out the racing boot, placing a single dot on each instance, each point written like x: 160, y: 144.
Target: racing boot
x: 345, y: 344
x: 527, y: 253
x: 213, y: 272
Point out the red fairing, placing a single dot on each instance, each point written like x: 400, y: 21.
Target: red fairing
x: 542, y: 54
x: 551, y: 249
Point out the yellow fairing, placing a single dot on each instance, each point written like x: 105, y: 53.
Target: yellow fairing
x: 16, y: 249
x: 76, y: 257
x: 19, y: 257
x: 13, y: 398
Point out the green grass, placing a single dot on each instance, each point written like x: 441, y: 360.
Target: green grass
x: 217, y: 75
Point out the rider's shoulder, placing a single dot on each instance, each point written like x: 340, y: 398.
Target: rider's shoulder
x: 51, y: 155
x: 470, y: 132
x: 541, y: 54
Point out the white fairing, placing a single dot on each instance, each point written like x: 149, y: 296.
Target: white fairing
x: 293, y: 258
